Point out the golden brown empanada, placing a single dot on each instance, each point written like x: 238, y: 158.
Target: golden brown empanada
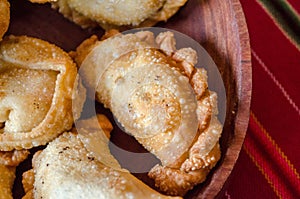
x: 37, y: 81
x: 159, y: 97
x: 4, y: 17
x: 66, y: 169
x: 116, y: 14
x: 137, y: 77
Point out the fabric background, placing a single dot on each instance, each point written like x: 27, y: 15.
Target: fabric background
x: 269, y: 163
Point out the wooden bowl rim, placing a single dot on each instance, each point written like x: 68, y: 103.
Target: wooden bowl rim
x: 216, y: 187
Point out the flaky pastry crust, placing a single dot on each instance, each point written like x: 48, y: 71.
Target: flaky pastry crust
x: 194, y: 169
x: 37, y: 81
x: 13, y: 158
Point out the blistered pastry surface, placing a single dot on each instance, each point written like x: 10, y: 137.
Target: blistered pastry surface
x: 67, y: 169
x: 117, y: 14
x: 158, y: 96
x: 37, y: 80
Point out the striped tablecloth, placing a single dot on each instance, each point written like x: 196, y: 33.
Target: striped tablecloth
x: 269, y: 163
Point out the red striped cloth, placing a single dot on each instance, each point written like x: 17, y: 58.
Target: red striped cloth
x: 269, y: 163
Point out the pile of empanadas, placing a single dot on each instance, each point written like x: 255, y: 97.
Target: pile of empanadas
x: 154, y: 91
x: 37, y: 85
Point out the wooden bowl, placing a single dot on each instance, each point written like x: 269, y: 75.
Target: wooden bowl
x: 219, y: 26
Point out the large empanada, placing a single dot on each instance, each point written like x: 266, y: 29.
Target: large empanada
x: 4, y: 17
x: 66, y: 169
x: 37, y: 81
x: 116, y: 14
x: 158, y: 96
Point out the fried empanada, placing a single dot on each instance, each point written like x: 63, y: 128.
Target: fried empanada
x: 4, y: 17
x: 37, y: 82
x: 66, y: 169
x: 116, y: 14
x: 137, y: 79
x: 158, y: 96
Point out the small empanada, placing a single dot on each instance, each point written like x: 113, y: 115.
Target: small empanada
x: 37, y: 82
x: 116, y: 14
x: 66, y: 169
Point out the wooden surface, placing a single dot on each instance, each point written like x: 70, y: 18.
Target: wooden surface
x: 218, y: 25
